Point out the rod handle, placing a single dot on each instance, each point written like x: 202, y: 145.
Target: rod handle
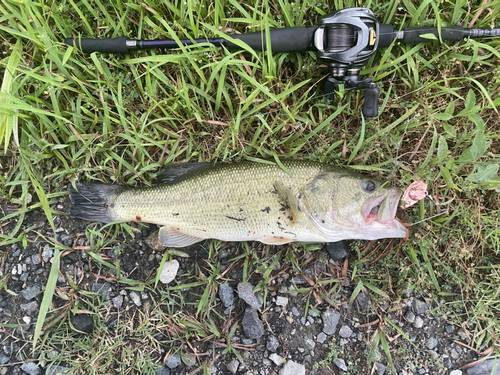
x: 289, y: 39
x: 413, y: 34
x: 107, y: 45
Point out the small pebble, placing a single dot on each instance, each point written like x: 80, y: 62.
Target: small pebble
x: 345, y: 331
x: 432, y: 343
x: 173, y: 361
x: 281, y: 301
x: 321, y: 338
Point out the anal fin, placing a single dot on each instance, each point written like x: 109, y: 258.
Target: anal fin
x: 167, y: 236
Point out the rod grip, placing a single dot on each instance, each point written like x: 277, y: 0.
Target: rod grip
x: 413, y: 34
x: 289, y: 39
x: 107, y: 45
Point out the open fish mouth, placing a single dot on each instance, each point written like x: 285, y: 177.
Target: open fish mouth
x: 382, y: 209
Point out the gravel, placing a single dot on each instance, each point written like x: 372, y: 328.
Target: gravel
x: 246, y: 293
x: 169, y: 271
x: 485, y: 367
x: 338, y: 250
x: 419, y: 307
x: 252, y: 325
x: 82, y: 323
x: 226, y: 294
x: 340, y: 363
x: 173, y: 361
x: 31, y: 292
x: 272, y: 343
x: 293, y: 368
x: 345, y: 331
x: 330, y: 320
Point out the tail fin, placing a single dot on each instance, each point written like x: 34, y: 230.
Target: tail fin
x: 93, y: 201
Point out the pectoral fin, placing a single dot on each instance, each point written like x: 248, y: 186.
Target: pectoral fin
x: 288, y: 198
x: 167, y: 236
x: 275, y: 240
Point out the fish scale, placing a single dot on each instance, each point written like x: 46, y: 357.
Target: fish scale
x: 224, y: 202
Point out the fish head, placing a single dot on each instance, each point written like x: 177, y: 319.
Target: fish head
x: 351, y: 206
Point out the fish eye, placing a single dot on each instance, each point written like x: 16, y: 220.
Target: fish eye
x: 369, y: 186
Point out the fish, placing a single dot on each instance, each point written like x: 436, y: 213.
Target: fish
x: 300, y: 200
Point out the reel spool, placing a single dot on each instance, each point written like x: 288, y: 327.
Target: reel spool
x: 346, y: 39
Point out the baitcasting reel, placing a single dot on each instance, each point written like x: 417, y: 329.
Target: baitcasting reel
x: 346, y: 40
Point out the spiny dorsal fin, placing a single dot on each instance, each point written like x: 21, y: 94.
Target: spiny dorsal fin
x: 174, y: 173
x: 288, y: 198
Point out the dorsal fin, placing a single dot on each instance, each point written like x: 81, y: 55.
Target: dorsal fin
x: 174, y: 173
x: 288, y: 198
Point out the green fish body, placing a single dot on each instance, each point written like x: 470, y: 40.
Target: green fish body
x: 249, y: 201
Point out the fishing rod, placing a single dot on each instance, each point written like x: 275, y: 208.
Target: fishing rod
x: 345, y: 39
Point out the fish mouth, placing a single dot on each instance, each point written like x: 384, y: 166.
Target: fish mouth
x: 382, y: 209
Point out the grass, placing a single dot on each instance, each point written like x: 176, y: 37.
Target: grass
x: 66, y: 117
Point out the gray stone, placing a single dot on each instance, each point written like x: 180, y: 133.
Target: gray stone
x: 173, y: 361
x: 162, y: 371
x: 35, y: 259
x: 293, y: 368
x: 363, y: 301
x: 136, y: 298
x: 47, y: 253
x: 281, y: 301
x: 418, y: 323
x: 410, y: 316
x: 31, y: 292
x: 419, y: 307
x: 246, y: 293
x: 345, y: 331
x: 226, y: 294
x: 169, y: 271
x: 450, y: 329
x: 432, y: 343
x: 380, y: 368
x: 485, y: 368
x: 278, y: 361
x: 4, y: 358
x: 303, y: 320
x: 252, y: 325
x: 102, y: 289
x: 340, y: 363
x: 456, y: 372
x: 232, y: 366
x: 309, y: 344
x: 330, y: 320
x: 57, y: 370
x: 321, y: 338
x: 83, y: 323
x: 338, y: 250
x: 30, y: 308
x: 247, y: 341
x: 454, y: 354
x: 312, y: 313
x: 31, y: 368
x: 272, y: 343
x: 295, y: 312
x: 118, y: 302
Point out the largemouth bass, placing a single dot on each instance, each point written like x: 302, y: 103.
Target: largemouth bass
x: 250, y: 201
